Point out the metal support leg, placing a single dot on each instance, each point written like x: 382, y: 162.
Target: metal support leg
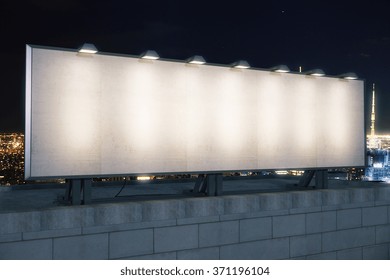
x: 322, y: 179
x: 87, y: 191
x: 218, y: 184
x: 199, y: 183
x: 78, y: 191
x: 210, y: 185
x: 75, y: 191
x: 306, y: 178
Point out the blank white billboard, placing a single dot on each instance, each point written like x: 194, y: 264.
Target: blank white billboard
x: 102, y: 115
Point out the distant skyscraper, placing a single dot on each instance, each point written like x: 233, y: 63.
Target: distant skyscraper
x: 373, y: 112
x: 373, y: 140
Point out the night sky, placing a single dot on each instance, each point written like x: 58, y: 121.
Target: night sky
x: 338, y: 37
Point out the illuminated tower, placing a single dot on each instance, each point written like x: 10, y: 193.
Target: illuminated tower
x: 373, y: 140
x: 373, y: 112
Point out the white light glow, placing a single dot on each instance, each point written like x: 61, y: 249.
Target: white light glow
x: 150, y: 57
x: 143, y: 178
x: 378, y: 165
x: 281, y: 172
x: 317, y: 74
x: 197, y: 62
x: 350, y: 78
x: 281, y: 71
x: 87, y: 51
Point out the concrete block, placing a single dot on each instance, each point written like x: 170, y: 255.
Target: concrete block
x: 320, y: 222
x: 211, y: 253
x: 255, y: 229
x: 130, y: 243
x: 197, y: 220
x: 272, y: 249
x: 388, y: 215
x: 347, y: 239
x: 382, y: 194
x: 214, y: 234
x: 289, y: 225
x: 10, y: 237
x: 349, y: 218
x: 305, y: 245
x: 175, y: 238
x: 27, y: 250
x: 88, y: 216
x: 382, y: 234
x: 85, y: 247
x: 120, y: 213
x: 19, y: 222
x: 162, y: 256
x: 127, y: 226
x: 306, y: 199
x: 375, y: 215
x: 51, y: 233
x: 241, y: 204
x: 323, y: 256
x: 335, y: 198
x: 350, y: 254
x: 275, y: 201
x: 61, y: 218
x: 376, y: 252
x: 163, y: 210
x: 361, y: 195
x: 204, y: 207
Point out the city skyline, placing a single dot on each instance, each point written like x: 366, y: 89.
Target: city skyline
x: 337, y: 37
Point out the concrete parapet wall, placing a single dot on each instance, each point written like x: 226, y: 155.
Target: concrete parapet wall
x: 349, y: 223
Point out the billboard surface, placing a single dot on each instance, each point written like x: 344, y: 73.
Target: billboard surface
x: 104, y: 115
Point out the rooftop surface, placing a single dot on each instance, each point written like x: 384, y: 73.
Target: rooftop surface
x: 46, y: 195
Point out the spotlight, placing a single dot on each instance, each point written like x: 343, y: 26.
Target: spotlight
x: 280, y: 69
x: 196, y: 59
x: 315, y: 72
x: 241, y: 64
x: 150, y: 54
x: 349, y: 76
x: 88, y: 48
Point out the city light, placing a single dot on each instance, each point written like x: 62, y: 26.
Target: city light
x: 11, y: 158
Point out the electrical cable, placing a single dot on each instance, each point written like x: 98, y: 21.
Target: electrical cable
x: 123, y: 186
